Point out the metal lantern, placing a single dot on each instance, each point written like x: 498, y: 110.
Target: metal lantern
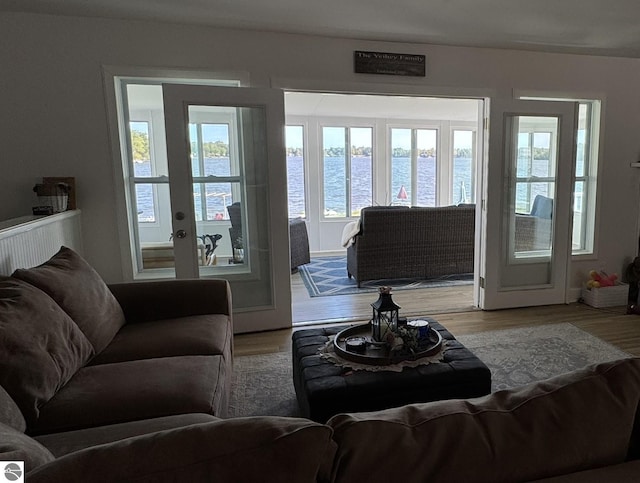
x: 385, y: 315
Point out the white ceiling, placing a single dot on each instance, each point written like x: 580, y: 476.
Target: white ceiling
x: 600, y: 27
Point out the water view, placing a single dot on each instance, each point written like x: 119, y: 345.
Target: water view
x: 217, y: 196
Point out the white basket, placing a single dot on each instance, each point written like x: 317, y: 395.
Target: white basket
x: 57, y: 202
x: 606, y: 296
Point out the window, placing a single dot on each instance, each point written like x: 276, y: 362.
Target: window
x: 535, y: 170
x: 413, y: 166
x: 585, y: 177
x: 463, y: 144
x: 347, y: 170
x: 142, y: 168
x: 295, y: 171
x: 210, y: 156
x: 586, y: 168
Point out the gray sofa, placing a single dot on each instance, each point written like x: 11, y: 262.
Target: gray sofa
x: 417, y: 242
x: 127, y: 383
x: 76, y: 355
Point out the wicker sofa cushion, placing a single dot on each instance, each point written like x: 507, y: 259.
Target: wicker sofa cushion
x: 81, y: 293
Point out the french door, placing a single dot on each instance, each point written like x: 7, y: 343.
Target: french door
x: 528, y: 194
x: 211, y: 202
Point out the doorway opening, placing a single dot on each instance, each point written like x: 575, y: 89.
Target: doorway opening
x: 346, y: 152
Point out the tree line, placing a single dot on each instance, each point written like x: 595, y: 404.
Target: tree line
x: 141, y: 151
x: 218, y: 149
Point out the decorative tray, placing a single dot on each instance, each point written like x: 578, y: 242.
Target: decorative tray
x: 376, y: 354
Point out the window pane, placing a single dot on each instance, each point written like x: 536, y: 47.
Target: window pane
x: 210, y: 157
x: 542, y: 162
x: 156, y: 245
x: 463, y: 167
x: 426, y: 145
x: 401, y: 167
x: 145, y: 203
x: 582, y: 152
x: 523, y: 166
x: 361, y: 180
x: 142, y: 168
x: 217, y: 197
x: 215, y: 147
x: 534, y: 160
x: 140, y: 148
x: 579, y: 216
x: 583, y: 208
x: 335, y: 176
x: 526, y: 193
x: 295, y: 171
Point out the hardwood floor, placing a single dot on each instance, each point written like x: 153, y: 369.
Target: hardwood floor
x: 453, y: 307
x: 308, y: 309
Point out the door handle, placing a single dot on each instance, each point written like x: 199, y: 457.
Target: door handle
x: 181, y: 234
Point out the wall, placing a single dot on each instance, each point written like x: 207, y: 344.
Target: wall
x: 53, y: 119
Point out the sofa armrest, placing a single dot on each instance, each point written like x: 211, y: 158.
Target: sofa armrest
x: 240, y: 449
x: 164, y: 299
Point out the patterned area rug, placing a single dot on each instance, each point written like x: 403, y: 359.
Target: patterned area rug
x: 328, y: 276
x: 263, y: 384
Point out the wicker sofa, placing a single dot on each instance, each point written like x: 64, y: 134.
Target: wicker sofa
x: 417, y: 242
x: 392, y: 242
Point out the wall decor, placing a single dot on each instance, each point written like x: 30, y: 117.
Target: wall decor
x: 389, y: 63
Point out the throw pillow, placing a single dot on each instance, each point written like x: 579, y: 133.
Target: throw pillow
x: 40, y: 346
x: 10, y: 413
x: 81, y: 293
x: 16, y: 446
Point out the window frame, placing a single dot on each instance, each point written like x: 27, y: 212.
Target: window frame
x: 587, y: 248
x: 139, y: 180
x: 347, y: 125
x: 305, y: 168
x: 440, y: 173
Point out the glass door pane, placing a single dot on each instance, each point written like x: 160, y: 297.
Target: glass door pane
x: 527, y: 225
x: 149, y: 183
x: 532, y: 172
x: 225, y: 148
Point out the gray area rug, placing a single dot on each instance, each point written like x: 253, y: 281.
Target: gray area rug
x: 326, y: 276
x: 263, y: 384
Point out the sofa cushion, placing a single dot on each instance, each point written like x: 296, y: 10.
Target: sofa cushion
x: 10, y: 413
x: 129, y: 391
x: 265, y: 449
x: 569, y: 423
x: 17, y: 446
x: 69, y: 441
x: 184, y: 336
x: 41, y: 348
x: 623, y: 473
x: 81, y: 293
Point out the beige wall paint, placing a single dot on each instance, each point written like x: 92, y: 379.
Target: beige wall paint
x: 53, y: 119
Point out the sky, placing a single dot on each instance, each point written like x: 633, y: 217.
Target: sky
x: 334, y: 137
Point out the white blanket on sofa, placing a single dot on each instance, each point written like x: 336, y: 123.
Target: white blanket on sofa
x: 349, y: 231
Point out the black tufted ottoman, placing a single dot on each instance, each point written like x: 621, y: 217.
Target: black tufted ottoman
x: 324, y: 389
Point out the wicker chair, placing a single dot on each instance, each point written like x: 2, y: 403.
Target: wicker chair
x: 299, y: 240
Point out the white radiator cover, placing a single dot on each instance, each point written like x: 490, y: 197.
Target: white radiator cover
x: 31, y: 240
